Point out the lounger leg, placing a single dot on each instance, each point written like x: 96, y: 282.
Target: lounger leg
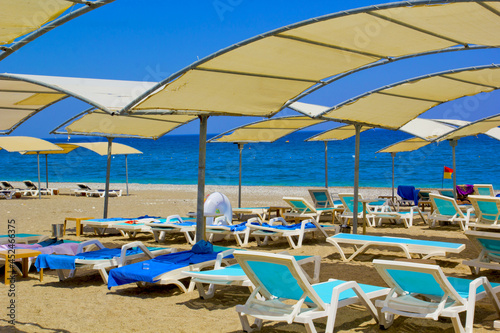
x: 457, y: 325
x: 311, y: 329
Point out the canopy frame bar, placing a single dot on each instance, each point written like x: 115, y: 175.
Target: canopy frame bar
x: 89, y: 6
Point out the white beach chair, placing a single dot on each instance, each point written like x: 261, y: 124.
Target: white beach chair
x: 422, y: 248
x: 348, y: 201
x: 484, y: 189
x: 283, y: 293
x: 235, y: 276
x: 489, y: 245
x: 423, y: 291
x: 446, y: 209
x: 487, y: 212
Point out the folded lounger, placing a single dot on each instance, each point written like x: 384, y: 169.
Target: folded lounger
x: 423, y: 291
x: 100, y: 259
x: 167, y: 269
x: 423, y: 248
x: 282, y: 290
x: 489, y: 245
x: 235, y: 276
x: 289, y: 231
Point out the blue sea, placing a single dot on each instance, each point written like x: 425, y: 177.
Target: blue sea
x: 173, y: 159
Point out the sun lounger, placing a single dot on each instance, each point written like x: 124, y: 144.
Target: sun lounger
x: 423, y: 291
x: 240, y: 232
x: 423, y: 248
x: 235, y: 276
x: 282, y: 290
x: 484, y: 189
x: 406, y: 217
x: 446, y: 209
x: 7, y: 194
x: 100, y: 259
x: 132, y: 227
x: 348, y: 201
x: 21, y: 238
x: 294, y: 233
x: 487, y: 212
x: 85, y: 190
x: 167, y: 269
x: 301, y: 209
x: 322, y: 199
x: 489, y: 245
x: 45, y: 191
x: 82, y: 189
x: 100, y: 225
x: 174, y: 224
x: 408, y: 194
x: 261, y: 212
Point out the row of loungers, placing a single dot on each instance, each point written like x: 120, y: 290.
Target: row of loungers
x: 281, y: 286
x: 8, y: 191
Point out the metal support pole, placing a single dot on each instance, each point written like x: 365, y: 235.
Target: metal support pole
x: 240, y: 147
x: 393, y: 156
x: 200, y: 219
x: 356, y: 181
x: 126, y: 173
x: 326, y: 164
x: 39, y: 186
x: 453, y: 144
x: 46, y: 171
x: 106, y: 188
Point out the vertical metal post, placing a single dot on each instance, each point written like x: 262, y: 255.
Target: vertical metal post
x: 46, y: 171
x: 126, y: 173
x: 106, y: 188
x: 200, y: 220
x: 326, y: 164
x: 393, y: 156
x: 240, y: 147
x: 39, y: 186
x: 356, y: 181
x: 453, y: 144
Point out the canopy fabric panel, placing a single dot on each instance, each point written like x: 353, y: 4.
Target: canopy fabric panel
x: 101, y: 148
x: 266, y: 130
x: 339, y: 133
x: 65, y: 148
x: 258, y: 76
x: 405, y: 146
x: 22, y: 96
x: 474, y: 128
x: 100, y: 123
x: 427, y: 129
x: 26, y: 144
x: 21, y: 17
x: 393, y: 106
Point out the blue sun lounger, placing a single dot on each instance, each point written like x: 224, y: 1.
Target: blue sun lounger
x: 167, y: 269
x: 99, y: 259
x: 282, y: 290
x: 423, y: 248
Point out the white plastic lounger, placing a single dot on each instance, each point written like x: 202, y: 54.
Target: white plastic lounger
x: 100, y: 225
x: 294, y: 233
x: 422, y: 248
x: 489, y: 245
x: 261, y: 212
x: 282, y: 290
x: 484, y: 189
x: 235, y: 276
x: 99, y: 260
x: 406, y: 217
x: 348, y: 202
x: 487, y: 211
x: 446, y: 209
x: 423, y: 291
x: 21, y: 238
x: 240, y: 232
x: 301, y: 209
x: 174, y: 224
x: 132, y: 227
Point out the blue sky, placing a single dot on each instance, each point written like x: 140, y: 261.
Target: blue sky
x: 150, y: 39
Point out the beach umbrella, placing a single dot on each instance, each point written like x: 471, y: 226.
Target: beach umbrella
x: 268, y: 130
x: 44, y: 17
x: 28, y: 144
x: 252, y: 78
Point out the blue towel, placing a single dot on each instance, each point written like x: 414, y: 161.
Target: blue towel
x: 408, y: 193
x: 57, y: 261
x: 146, y: 271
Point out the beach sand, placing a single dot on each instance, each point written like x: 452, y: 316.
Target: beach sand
x: 84, y: 304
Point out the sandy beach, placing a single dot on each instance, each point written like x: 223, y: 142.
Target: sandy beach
x: 84, y: 304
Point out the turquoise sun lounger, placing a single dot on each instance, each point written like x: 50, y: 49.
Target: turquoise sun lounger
x: 423, y: 248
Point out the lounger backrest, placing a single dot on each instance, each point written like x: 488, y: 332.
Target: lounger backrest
x: 414, y: 278
x: 300, y: 205
x: 348, y: 202
x: 321, y: 198
x: 484, y: 189
x: 277, y: 275
x: 444, y: 205
x: 487, y: 208
x: 29, y: 184
x: 446, y: 193
x: 83, y: 187
x: 488, y: 241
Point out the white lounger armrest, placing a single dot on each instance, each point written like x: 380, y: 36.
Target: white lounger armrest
x: 83, y: 245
